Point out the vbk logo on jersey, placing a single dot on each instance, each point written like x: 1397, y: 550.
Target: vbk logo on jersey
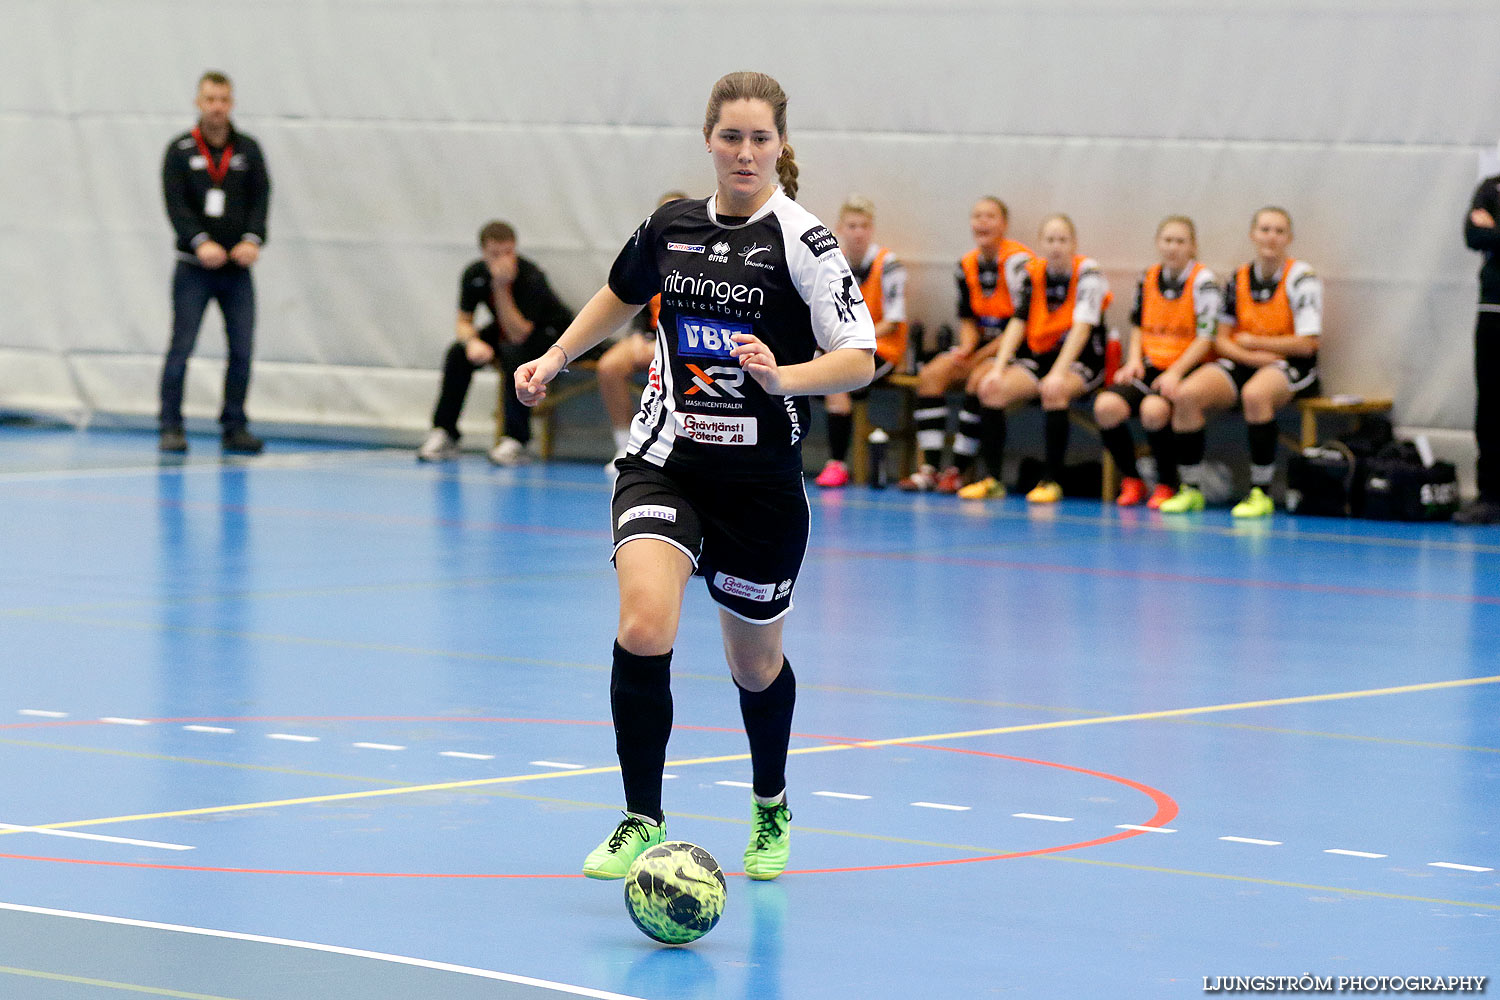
x: 846, y: 296
x: 720, y: 380
x: 707, y: 338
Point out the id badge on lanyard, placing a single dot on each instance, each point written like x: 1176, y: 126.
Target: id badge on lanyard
x: 213, y: 202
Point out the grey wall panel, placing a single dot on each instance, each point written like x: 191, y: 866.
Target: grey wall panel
x: 395, y: 127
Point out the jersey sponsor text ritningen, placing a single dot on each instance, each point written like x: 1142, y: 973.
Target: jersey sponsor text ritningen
x: 721, y: 292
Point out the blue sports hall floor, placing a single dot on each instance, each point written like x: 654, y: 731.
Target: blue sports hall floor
x: 329, y: 723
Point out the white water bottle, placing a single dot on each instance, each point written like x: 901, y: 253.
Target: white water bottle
x: 878, y: 440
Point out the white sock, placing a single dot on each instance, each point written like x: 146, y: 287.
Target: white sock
x: 774, y: 800
x: 648, y: 820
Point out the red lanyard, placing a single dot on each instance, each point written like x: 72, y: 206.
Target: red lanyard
x: 216, y: 171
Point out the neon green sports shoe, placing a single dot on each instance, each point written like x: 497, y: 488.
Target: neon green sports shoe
x: 770, y: 841
x: 632, y: 838
x: 1185, y: 500
x: 1257, y: 504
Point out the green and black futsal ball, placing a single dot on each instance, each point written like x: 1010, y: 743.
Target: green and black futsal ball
x: 675, y: 892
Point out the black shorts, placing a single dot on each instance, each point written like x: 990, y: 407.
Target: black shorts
x: 1089, y: 366
x: 1136, y: 390
x: 746, y: 539
x: 1301, y: 374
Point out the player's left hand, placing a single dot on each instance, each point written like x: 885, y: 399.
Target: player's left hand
x: 244, y: 253
x: 758, y: 361
x: 1166, y: 385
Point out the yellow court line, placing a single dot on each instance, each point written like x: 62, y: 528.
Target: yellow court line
x: 1342, y: 890
x: 107, y: 984
x: 448, y: 786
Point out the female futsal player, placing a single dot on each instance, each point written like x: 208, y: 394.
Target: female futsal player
x: 1171, y: 333
x: 1268, y: 355
x: 752, y: 287
x: 1053, y: 349
x: 989, y: 278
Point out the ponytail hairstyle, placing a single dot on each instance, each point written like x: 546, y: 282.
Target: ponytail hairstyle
x: 750, y: 86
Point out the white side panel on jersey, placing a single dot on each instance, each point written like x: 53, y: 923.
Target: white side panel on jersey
x: 393, y: 130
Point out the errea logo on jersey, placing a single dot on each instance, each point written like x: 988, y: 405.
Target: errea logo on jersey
x: 720, y: 254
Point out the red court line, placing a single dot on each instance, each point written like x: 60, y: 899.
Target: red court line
x: 1166, y: 807
x: 1157, y: 577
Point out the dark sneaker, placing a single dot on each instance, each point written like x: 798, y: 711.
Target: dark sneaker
x: 770, y: 841
x: 632, y: 838
x: 1480, y: 511
x: 241, y: 442
x: 173, y: 441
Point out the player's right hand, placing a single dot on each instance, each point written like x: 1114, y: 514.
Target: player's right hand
x: 211, y: 255
x: 533, y: 376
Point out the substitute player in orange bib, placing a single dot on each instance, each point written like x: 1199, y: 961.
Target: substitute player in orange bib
x: 882, y: 283
x: 1052, y: 350
x: 989, y: 278
x: 1268, y: 355
x: 1172, y: 330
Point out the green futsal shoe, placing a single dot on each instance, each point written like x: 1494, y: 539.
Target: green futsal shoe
x: 770, y: 841
x: 1184, y: 501
x: 1257, y: 504
x: 632, y: 838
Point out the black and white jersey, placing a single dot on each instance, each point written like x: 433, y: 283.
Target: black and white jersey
x: 778, y: 275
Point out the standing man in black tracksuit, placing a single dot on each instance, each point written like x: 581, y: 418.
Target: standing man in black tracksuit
x: 217, y: 194
x: 1481, y: 234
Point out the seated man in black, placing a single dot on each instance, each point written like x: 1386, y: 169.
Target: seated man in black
x: 525, y: 318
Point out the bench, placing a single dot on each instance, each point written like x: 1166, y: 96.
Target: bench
x: 582, y: 377
x: 904, y: 434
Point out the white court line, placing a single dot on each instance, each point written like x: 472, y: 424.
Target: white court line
x: 467, y: 756
x: 42, y: 713
x: 379, y: 746
x: 116, y: 721
x: 941, y: 805
x: 735, y: 784
x: 1144, y: 829
x: 293, y: 737
x: 1252, y: 840
x: 1354, y: 854
x: 1460, y: 868
x: 420, y: 963
x: 557, y: 764
x: 668, y: 777
x: 207, y: 729
x: 1040, y: 816
x: 842, y: 795
x: 97, y: 836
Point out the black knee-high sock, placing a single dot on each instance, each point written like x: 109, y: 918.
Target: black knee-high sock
x: 966, y: 443
x: 931, y: 415
x: 1055, y: 432
x: 992, y: 429
x: 1190, y: 445
x: 840, y: 430
x: 640, y: 698
x: 768, y: 723
x: 1120, y: 444
x: 1164, y: 448
x: 1262, y: 453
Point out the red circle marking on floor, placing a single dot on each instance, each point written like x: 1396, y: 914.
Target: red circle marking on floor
x: 1166, y: 807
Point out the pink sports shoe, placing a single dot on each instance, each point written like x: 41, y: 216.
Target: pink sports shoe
x: 834, y: 474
